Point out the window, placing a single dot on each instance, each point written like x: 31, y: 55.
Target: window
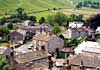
x: 43, y: 48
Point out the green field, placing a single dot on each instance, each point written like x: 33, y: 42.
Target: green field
x: 9, y: 6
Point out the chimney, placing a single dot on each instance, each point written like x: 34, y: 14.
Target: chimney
x: 81, y: 66
x: 68, y: 61
x: 82, y: 63
x: 50, y: 62
x: 49, y: 58
x: 12, y: 52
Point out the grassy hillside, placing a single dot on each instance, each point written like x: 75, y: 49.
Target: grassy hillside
x: 32, y: 5
x: 9, y: 6
x: 36, y: 5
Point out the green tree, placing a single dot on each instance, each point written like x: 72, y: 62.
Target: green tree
x: 4, y: 64
x: 4, y: 30
x: 20, y: 11
x: 79, y: 5
x: 56, y: 29
x: 10, y: 26
x: 21, y: 14
x: 61, y: 36
x: 80, y: 17
x: 33, y: 18
x: 50, y: 19
x: 73, y: 17
x: 42, y: 20
x: 73, y: 42
x: 3, y: 20
x: 60, y: 18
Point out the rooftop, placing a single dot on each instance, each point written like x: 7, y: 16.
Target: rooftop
x: 88, y: 60
x: 86, y: 46
x: 67, y: 50
x: 46, y: 27
x: 31, y: 56
x: 24, y: 48
x: 2, y: 49
x: 43, y: 37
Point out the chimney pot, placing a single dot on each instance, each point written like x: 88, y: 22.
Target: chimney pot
x: 67, y: 61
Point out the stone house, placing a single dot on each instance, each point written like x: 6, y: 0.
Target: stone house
x: 26, y: 56
x: 5, y: 51
x: 82, y: 62
x: 74, y: 33
x: 37, y: 29
x: 78, y: 32
x: 17, y: 37
x: 50, y: 41
x: 88, y: 47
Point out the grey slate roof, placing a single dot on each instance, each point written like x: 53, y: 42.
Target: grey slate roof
x: 88, y: 60
x: 31, y: 56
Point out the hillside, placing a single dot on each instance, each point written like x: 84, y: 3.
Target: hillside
x: 9, y: 6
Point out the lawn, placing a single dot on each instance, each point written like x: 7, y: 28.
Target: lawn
x: 87, y: 12
x: 9, y: 6
x: 42, y: 14
x: 6, y: 44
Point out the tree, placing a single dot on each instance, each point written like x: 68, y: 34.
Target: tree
x: 73, y: 17
x: 42, y: 20
x: 79, y: 5
x: 21, y: 14
x: 2, y: 21
x: 56, y: 29
x: 20, y: 11
x: 10, y: 26
x: 61, y: 36
x: 4, y: 31
x: 60, y: 18
x: 80, y: 17
x: 66, y: 25
x: 93, y: 22
x: 50, y: 19
x: 33, y: 18
x: 4, y: 64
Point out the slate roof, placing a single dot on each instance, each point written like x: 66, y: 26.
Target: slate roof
x: 24, y: 48
x: 43, y: 37
x: 14, y: 33
x: 88, y: 46
x: 45, y: 27
x: 66, y: 50
x: 31, y: 56
x: 16, y: 36
x: 2, y: 49
x: 88, y: 60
